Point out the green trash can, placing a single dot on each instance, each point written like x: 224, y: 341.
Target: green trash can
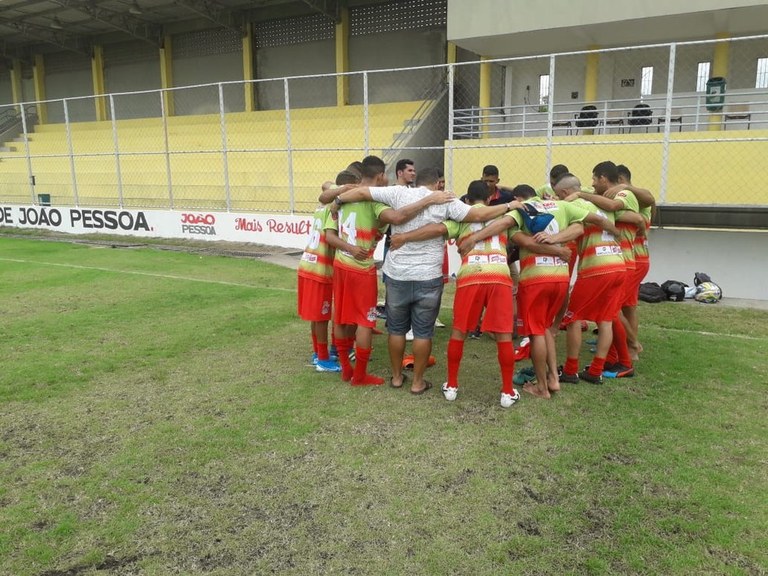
x: 44, y: 199
x: 715, y: 94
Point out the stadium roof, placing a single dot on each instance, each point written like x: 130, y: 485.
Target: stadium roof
x: 75, y: 25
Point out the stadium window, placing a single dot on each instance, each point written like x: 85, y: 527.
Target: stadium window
x: 702, y: 76
x: 761, y: 80
x: 646, y: 81
x: 544, y: 89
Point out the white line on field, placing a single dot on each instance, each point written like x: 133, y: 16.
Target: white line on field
x: 702, y: 333
x: 224, y: 283
x: 151, y: 274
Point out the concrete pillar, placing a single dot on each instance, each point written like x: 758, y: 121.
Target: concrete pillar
x: 342, y: 58
x: 97, y: 74
x: 38, y: 79
x: 166, y: 74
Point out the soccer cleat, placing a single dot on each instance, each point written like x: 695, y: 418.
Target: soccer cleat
x: 368, y: 380
x: 475, y: 334
x: 352, y: 355
x: 508, y: 400
x: 449, y: 393
x: 524, y: 375
x: 439, y: 324
x: 409, y: 336
x: 327, y: 366
x: 587, y: 377
x: 381, y: 312
x: 618, y: 371
x: 568, y: 378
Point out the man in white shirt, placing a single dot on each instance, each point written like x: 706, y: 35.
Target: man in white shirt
x: 414, y: 272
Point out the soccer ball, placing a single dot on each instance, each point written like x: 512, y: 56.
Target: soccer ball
x: 708, y: 292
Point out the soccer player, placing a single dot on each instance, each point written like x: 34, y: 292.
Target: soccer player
x: 315, y: 282
x: 414, y: 272
x: 544, y: 279
x: 547, y: 192
x: 597, y: 293
x: 354, y: 234
x: 482, y: 281
x: 604, y: 177
x: 647, y: 204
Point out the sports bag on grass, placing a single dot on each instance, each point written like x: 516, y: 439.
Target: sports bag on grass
x: 651, y: 292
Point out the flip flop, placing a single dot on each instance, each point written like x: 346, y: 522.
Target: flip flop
x: 391, y: 385
x: 427, y: 386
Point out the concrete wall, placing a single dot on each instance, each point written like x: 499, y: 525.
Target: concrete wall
x: 494, y: 17
x: 69, y: 80
x: 132, y: 67
x: 317, y: 57
x: 396, y: 50
x: 697, y: 173
x: 203, y: 70
x: 730, y: 258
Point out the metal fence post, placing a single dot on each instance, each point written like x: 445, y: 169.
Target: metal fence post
x: 449, y: 158
x: 168, y: 175
x: 667, y: 115
x: 117, y: 151
x: 225, y: 157
x: 550, y: 112
x: 289, y: 145
x: 30, y: 175
x: 71, y: 150
x: 366, y: 135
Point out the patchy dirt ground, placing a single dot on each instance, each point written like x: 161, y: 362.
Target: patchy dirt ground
x: 274, y: 254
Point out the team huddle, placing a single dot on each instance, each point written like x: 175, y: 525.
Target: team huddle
x: 545, y: 232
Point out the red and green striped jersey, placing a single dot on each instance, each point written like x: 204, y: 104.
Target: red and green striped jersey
x: 486, y: 263
x: 627, y: 232
x: 358, y: 225
x: 317, y: 260
x: 599, y: 252
x: 641, y: 242
x: 539, y: 268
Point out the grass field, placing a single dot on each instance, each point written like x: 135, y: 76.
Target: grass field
x: 158, y: 416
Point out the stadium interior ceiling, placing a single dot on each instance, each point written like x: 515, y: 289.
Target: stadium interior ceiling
x: 39, y: 26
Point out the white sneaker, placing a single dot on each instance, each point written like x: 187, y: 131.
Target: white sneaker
x: 508, y: 400
x: 439, y: 324
x: 448, y: 392
x: 409, y: 335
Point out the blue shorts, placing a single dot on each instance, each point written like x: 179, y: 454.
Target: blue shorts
x: 413, y: 304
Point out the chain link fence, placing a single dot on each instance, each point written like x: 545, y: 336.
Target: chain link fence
x: 689, y: 119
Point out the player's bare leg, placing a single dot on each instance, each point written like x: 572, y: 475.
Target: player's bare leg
x: 539, y: 359
x: 396, y: 346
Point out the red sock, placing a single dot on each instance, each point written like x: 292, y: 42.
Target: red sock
x: 314, y: 338
x: 344, y: 345
x: 505, y: 351
x: 571, y: 366
x: 596, y: 368
x: 455, y: 353
x: 321, y: 349
x: 361, y: 376
x: 620, y: 341
x: 613, y: 355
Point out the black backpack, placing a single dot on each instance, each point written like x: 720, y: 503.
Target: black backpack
x: 651, y: 292
x: 675, y: 290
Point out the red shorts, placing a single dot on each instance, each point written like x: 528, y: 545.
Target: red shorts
x: 631, y: 286
x: 597, y: 298
x: 315, y: 300
x: 538, y: 304
x: 354, y: 295
x: 641, y: 270
x: 496, y: 298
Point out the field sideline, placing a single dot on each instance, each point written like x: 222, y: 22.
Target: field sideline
x: 158, y: 416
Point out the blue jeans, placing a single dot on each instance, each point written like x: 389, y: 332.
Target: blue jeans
x: 413, y: 304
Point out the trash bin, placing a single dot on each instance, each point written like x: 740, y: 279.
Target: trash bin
x: 44, y: 199
x: 715, y: 94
